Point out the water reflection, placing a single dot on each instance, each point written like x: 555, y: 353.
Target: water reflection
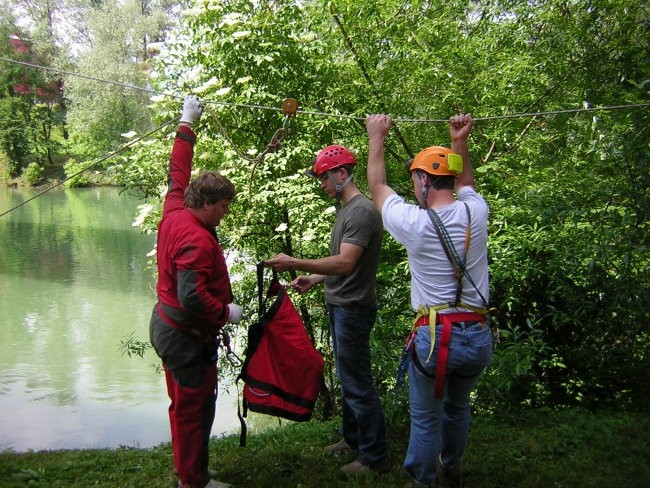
x: 73, y: 282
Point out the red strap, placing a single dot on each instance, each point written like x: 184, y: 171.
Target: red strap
x: 443, y: 352
x: 446, y: 320
x: 423, y: 320
x: 443, y: 346
x: 453, y: 317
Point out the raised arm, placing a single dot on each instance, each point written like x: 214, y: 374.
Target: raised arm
x: 180, y: 161
x: 460, y: 126
x: 377, y: 126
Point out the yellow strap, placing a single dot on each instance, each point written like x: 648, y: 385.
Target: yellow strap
x: 481, y: 310
x: 431, y: 312
x: 432, y: 331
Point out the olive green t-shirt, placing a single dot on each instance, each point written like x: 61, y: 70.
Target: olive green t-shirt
x: 358, y: 222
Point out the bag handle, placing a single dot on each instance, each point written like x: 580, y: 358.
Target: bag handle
x: 260, y: 287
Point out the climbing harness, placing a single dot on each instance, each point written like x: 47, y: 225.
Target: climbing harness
x: 223, y: 340
x: 477, y: 316
x: 458, y: 264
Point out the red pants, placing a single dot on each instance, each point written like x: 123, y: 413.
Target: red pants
x: 191, y: 414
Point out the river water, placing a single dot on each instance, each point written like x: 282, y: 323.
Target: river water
x: 73, y: 283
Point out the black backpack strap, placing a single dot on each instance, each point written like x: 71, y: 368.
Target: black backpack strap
x: 254, y: 336
x: 242, y: 422
x: 260, y: 287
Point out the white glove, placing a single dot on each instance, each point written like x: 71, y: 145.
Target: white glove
x: 235, y: 313
x: 191, y: 109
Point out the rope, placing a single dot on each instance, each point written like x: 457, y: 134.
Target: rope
x: 68, y: 73
x: 274, y: 145
x: 333, y: 115
x: 536, y: 114
x: 114, y: 153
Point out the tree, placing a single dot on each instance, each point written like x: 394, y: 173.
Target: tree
x: 47, y: 47
x: 568, y: 191
x: 22, y: 94
x: 118, y: 41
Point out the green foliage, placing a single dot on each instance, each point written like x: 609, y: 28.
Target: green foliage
x: 568, y: 192
x: 33, y: 173
x: 565, y: 448
x: 76, y: 173
x: 15, y: 132
x: 100, y: 113
x: 143, y: 168
x: 132, y: 346
x: 4, y: 168
x: 47, y: 116
x: 27, y: 117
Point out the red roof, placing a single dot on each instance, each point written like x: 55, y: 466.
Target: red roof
x: 50, y: 91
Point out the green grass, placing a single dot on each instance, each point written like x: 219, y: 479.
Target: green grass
x: 560, y: 449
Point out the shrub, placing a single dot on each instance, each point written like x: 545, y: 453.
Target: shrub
x: 77, y: 178
x: 33, y: 173
x: 4, y: 168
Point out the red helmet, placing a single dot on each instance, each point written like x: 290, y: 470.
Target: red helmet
x: 329, y: 158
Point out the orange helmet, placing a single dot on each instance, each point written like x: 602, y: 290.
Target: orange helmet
x: 438, y: 161
x: 329, y: 158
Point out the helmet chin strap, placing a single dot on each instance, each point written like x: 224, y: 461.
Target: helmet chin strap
x: 424, y: 193
x: 424, y: 190
x: 338, y: 188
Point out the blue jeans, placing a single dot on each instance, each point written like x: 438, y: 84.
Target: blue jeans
x: 363, y: 425
x: 441, y: 426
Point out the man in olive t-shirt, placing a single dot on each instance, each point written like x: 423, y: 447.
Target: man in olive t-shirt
x: 349, y: 274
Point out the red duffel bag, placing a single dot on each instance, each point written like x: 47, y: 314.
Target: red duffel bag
x: 282, y: 371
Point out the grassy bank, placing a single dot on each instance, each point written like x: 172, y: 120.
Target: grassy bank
x: 566, y: 449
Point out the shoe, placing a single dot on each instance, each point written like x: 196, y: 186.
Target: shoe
x: 217, y: 484
x: 212, y: 484
x: 341, y: 447
x: 357, y: 468
x: 449, y: 477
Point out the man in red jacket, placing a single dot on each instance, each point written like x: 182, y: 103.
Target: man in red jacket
x: 194, y: 301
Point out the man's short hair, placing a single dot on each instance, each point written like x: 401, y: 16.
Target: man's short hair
x: 208, y: 187
x: 439, y: 182
x: 349, y: 168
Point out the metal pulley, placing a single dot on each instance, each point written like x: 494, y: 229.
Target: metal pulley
x: 290, y: 107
